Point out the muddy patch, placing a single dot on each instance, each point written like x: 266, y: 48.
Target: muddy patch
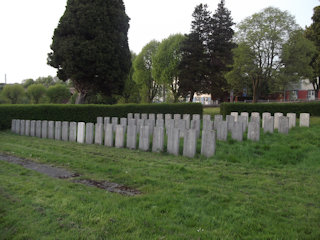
x: 61, y: 173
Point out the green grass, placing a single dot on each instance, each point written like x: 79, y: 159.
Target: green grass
x: 211, y: 111
x: 248, y: 190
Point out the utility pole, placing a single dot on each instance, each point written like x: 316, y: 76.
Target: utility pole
x: 5, y: 79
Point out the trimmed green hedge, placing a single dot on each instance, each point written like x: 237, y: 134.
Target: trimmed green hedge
x: 311, y: 107
x: 87, y: 113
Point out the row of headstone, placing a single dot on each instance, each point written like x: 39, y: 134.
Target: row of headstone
x: 122, y: 135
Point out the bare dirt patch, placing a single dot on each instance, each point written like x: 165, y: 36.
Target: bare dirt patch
x: 61, y: 173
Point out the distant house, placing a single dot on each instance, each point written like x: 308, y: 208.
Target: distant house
x: 302, y: 91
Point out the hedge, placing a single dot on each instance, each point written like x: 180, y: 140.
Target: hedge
x: 87, y: 113
x: 311, y: 107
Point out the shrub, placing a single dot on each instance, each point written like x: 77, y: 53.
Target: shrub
x: 311, y: 107
x: 87, y: 113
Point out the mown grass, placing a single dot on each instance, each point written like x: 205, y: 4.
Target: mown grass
x: 248, y: 190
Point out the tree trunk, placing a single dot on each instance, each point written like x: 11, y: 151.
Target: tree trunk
x: 191, y: 96
x: 81, y: 98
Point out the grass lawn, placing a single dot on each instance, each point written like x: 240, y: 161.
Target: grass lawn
x: 248, y: 190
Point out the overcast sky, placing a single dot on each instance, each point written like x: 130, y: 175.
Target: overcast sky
x: 27, y: 27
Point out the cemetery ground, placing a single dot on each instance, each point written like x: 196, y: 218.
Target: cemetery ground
x: 249, y: 190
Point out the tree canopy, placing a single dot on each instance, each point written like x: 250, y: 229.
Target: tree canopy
x: 90, y: 46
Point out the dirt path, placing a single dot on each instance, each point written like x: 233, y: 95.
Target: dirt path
x: 61, y: 173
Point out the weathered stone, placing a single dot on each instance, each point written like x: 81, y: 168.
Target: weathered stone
x: 100, y: 119
x: 177, y: 116
x: 106, y: 120
x: 254, y: 131
x: 160, y: 123
x: 144, y: 138
x: 108, y: 136
x: 264, y: 116
x: 304, y: 119
x: 276, y: 120
x: 123, y: 122
x: 245, y: 114
x: 33, y: 128
x: 81, y: 132
x: 222, y: 131
x: 196, y: 117
x: 57, y: 130
x: 140, y: 123
x: 120, y: 134
x: 283, y: 125
x: 132, y: 121
x: 208, y: 143
x: 169, y: 125
x: 190, y: 143
x: 65, y: 131
x: 187, y: 118
x: 89, y: 133
x: 173, y: 142
x: 51, y: 129
x: 13, y: 125
x: 27, y: 130
x: 167, y: 117
x: 158, y: 139
x: 150, y: 123
x: 268, y: 124
x: 130, y: 116
x: 132, y: 137
x: 256, y: 119
x: 207, y: 125
x: 217, y: 118
x: 114, y: 121
x: 44, y: 129
x: 152, y: 116
x: 237, y: 132
x: 159, y: 116
x: 255, y: 114
x: 206, y: 117
x: 235, y: 114
x: 181, y: 125
x: 17, y: 127
x: 195, y: 124
x: 244, y: 121
x: 22, y: 127
x: 38, y: 128
x: 144, y: 116
x: 292, y: 119
x: 73, y: 132
x: 230, y: 121
x: 98, y: 133
x: 137, y: 116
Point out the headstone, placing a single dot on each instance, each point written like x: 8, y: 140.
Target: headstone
x: 256, y: 119
x: 123, y: 122
x: 276, y: 120
x: 106, y: 120
x: 237, y: 132
x: 81, y: 132
x: 57, y: 130
x: 244, y: 121
x: 255, y: 114
x: 38, y: 128
x: 292, y: 119
x: 33, y: 128
x: 137, y: 116
x: 207, y: 125
x: 187, y: 118
x: 130, y: 116
x: 222, y: 131
x: 132, y: 121
x: 27, y: 130
x: 177, y: 116
x: 160, y: 123
x: 173, y: 142
x: 158, y: 139
x: 268, y: 124
x: 144, y: 116
x: 254, y: 131
x: 206, y: 117
x: 152, y: 116
x: 217, y: 118
x: 65, y: 131
x: 22, y: 127
x: 89, y: 133
x: 17, y: 127
x: 195, y: 124
x: 235, y: 114
x: 108, y: 135
x: 150, y: 123
x: 144, y: 138
x: 283, y: 125
x: 73, y: 132
x: 120, y: 134
x: 132, y: 137
x: 159, y: 116
x: 114, y: 121
x: 13, y: 125
x: 245, y: 114
x: 181, y: 125
x: 190, y: 143
x: 167, y: 117
x: 304, y: 119
x: 208, y: 143
x: 230, y: 121
x: 169, y: 125
x: 98, y: 133
x: 99, y: 119
x: 196, y: 117
x: 51, y: 129
x: 264, y: 116
x: 44, y: 129
x: 140, y: 123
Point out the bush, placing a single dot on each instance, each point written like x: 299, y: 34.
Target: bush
x: 311, y: 107
x: 58, y: 93
x: 87, y: 113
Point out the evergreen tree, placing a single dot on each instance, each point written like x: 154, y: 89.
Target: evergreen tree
x: 220, y: 47
x: 90, y: 46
